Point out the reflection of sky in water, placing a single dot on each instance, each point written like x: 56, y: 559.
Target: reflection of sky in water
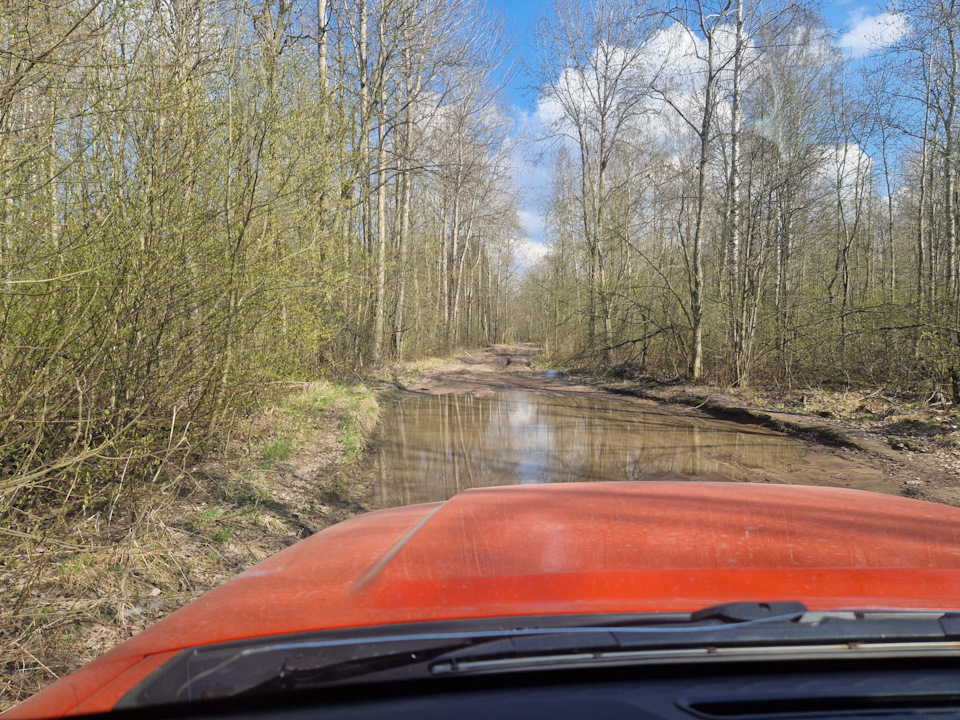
x: 436, y: 446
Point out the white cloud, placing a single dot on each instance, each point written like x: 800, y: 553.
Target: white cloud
x: 534, y: 225
x: 531, y: 176
x: 842, y: 174
x: 532, y: 251
x: 869, y: 33
x: 612, y: 78
x: 670, y: 64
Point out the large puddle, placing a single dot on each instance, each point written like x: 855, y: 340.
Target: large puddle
x: 434, y: 446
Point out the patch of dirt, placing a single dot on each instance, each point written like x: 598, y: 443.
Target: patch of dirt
x: 839, y: 453
x: 499, y: 367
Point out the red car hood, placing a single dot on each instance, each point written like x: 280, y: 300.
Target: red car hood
x: 565, y: 548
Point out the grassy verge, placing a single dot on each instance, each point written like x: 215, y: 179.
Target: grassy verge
x: 75, y: 587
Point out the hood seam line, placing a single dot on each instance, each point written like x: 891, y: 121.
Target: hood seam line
x: 371, y: 574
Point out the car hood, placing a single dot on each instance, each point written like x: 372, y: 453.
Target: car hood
x: 566, y: 548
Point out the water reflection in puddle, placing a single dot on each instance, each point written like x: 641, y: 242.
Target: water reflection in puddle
x: 435, y: 446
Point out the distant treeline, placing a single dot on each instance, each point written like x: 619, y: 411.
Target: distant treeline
x: 203, y: 197
x: 737, y: 198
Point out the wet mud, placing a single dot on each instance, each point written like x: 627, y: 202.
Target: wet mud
x: 434, y: 446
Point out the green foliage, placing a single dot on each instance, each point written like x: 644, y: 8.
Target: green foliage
x: 819, y: 266
x: 187, y: 227
x: 351, y: 437
x: 162, y: 264
x: 207, y: 516
x: 222, y: 535
x: 357, y: 419
x: 262, y: 496
x: 279, y: 449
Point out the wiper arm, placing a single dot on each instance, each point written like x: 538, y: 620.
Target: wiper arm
x: 313, y: 664
x: 305, y: 668
x: 748, y: 611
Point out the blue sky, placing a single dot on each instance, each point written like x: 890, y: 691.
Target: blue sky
x: 520, y: 15
x: 855, y: 22
x: 844, y: 16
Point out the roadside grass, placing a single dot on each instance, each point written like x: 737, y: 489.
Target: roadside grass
x: 418, y: 366
x: 403, y: 374
x: 356, y: 424
x: 73, y: 586
x: 279, y: 449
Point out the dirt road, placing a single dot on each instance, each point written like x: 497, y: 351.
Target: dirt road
x: 838, y: 454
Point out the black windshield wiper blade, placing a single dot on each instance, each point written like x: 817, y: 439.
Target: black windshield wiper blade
x: 306, y: 669
x: 748, y: 626
x: 283, y: 663
x: 789, y: 634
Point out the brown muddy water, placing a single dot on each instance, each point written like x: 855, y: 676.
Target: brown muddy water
x: 433, y: 446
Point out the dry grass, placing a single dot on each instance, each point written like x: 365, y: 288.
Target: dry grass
x: 85, y: 583
x: 927, y: 427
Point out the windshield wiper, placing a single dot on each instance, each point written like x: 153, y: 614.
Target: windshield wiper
x: 731, y: 631
x: 769, y: 631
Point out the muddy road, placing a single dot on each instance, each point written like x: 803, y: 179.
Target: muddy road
x: 486, y: 418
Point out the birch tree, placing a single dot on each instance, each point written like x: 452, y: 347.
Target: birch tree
x: 594, y: 73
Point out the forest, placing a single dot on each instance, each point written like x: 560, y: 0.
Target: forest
x: 737, y: 198
x: 205, y: 199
